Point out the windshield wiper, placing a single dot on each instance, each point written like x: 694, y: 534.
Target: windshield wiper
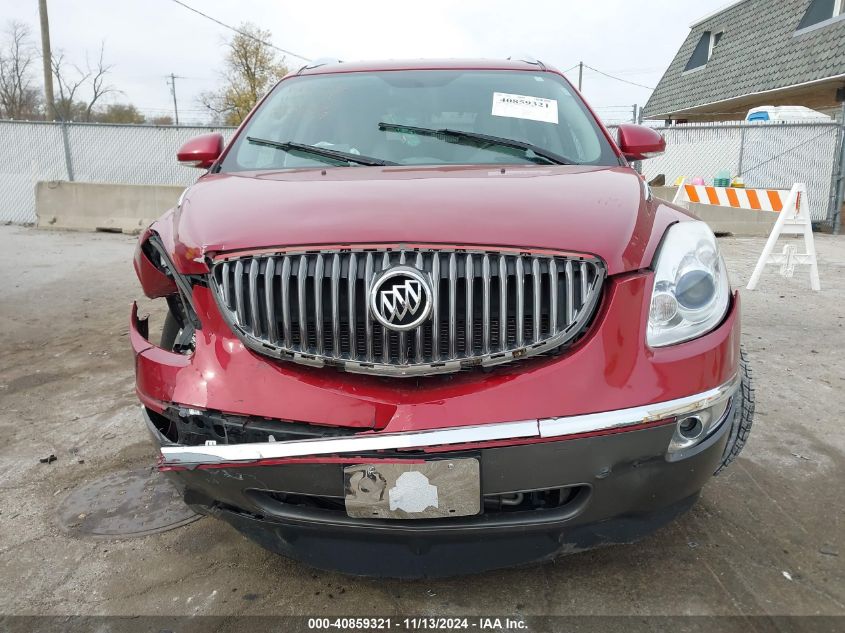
x: 321, y: 152
x: 482, y: 141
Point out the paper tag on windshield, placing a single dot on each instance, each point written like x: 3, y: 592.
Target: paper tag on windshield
x: 523, y: 107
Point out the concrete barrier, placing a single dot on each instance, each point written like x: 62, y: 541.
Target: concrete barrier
x: 85, y: 206
x: 725, y: 220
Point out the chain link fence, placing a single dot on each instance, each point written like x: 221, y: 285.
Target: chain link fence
x: 774, y: 155
x: 87, y: 152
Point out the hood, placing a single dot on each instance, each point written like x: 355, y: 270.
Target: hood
x: 593, y: 210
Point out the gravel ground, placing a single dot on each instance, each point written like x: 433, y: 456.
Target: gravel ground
x: 767, y: 537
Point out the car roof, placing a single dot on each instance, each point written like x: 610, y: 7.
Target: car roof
x: 334, y: 66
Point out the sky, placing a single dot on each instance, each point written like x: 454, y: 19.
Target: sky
x: 146, y: 40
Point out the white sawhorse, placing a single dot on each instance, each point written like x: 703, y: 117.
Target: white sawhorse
x: 794, y: 219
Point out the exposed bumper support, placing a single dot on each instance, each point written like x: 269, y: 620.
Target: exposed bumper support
x: 609, y: 421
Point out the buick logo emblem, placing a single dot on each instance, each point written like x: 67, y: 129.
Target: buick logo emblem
x: 400, y: 298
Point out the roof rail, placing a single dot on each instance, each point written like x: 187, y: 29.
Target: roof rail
x: 528, y: 59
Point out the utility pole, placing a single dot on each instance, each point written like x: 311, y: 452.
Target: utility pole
x: 634, y: 114
x: 45, y: 54
x: 580, y: 74
x: 172, y: 84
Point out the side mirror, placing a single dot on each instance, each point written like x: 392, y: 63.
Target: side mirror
x: 638, y: 142
x: 201, y: 151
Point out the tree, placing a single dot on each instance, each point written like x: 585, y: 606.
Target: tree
x: 70, y: 79
x: 251, y: 68
x: 119, y: 113
x: 161, y: 120
x: 18, y: 98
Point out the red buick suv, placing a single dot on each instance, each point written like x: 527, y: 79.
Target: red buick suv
x: 425, y: 318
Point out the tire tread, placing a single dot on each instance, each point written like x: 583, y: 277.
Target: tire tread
x: 745, y: 417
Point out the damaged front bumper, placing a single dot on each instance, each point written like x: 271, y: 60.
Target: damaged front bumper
x: 595, y: 423
x: 569, y: 456
x: 548, y: 487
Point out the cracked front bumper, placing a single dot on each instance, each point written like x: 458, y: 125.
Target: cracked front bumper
x: 625, y: 487
x: 213, y: 454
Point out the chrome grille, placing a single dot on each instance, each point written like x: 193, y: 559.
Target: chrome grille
x: 489, y: 307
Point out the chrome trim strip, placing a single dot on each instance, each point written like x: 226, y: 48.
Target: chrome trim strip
x: 270, y: 301
x: 300, y: 293
x: 227, y: 291
x: 352, y: 284
x: 253, y: 297
x: 183, y: 455
x: 419, y: 342
x: 435, y: 302
x: 556, y: 427
x: 285, y: 296
x: 453, y: 307
x: 368, y: 323
x: 520, y: 302
x: 536, y: 279
x: 503, y: 303
x: 385, y: 333
x: 336, y: 306
x: 545, y: 428
x: 485, y: 303
x: 319, y: 270
x: 403, y: 338
x: 239, y: 291
x: 584, y: 283
x: 553, y: 296
x: 469, y: 283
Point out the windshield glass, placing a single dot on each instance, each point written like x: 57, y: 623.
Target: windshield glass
x: 358, y: 113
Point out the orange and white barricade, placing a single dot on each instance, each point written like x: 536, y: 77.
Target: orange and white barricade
x: 793, y: 219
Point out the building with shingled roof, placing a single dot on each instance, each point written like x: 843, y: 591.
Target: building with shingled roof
x: 756, y: 53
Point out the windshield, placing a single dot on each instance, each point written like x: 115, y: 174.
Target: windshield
x: 391, y: 116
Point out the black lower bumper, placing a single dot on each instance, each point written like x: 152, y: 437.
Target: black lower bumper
x: 626, y: 487
x: 442, y: 554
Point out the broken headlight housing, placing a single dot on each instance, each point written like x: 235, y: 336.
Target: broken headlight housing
x: 691, y: 289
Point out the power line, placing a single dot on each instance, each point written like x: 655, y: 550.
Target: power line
x: 635, y: 71
x: 633, y: 83
x: 239, y: 31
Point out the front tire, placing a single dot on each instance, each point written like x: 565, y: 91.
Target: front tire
x: 744, y: 417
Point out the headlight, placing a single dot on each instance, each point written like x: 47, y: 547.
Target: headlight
x: 691, y: 288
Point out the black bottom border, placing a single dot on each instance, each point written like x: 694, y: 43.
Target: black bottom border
x: 516, y: 623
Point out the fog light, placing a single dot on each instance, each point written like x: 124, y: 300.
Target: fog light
x: 695, y: 427
x: 691, y: 428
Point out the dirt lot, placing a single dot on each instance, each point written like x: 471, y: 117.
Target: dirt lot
x: 767, y: 537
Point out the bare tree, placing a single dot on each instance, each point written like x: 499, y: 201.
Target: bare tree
x: 71, y: 79
x: 251, y: 68
x: 18, y: 98
x: 99, y: 87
